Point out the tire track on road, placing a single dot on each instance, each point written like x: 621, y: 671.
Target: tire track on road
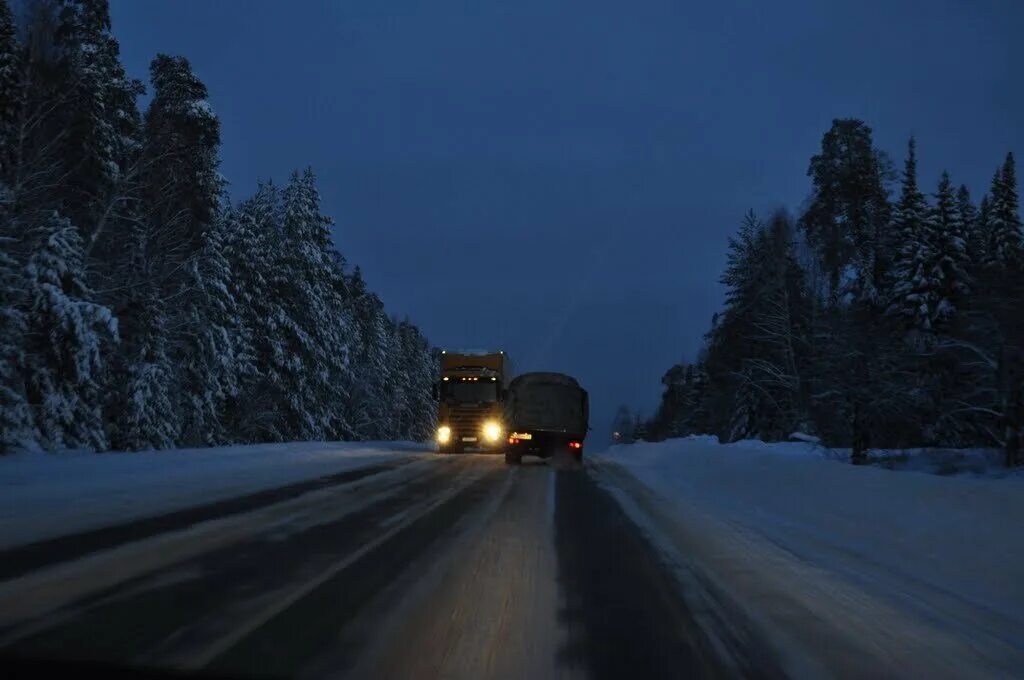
x: 284, y: 638
x: 20, y: 560
x: 165, y: 613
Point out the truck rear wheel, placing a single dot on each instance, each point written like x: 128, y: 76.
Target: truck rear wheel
x: 513, y: 458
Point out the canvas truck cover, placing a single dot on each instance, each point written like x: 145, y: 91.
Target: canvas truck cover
x: 551, y: 402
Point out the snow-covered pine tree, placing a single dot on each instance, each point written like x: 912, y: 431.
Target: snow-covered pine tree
x: 267, y: 366
x: 148, y: 415
x: 97, y: 114
x: 755, y: 384
x: 726, y: 341
x: 183, y: 195
x: 401, y: 398
x: 316, y: 304
x: 211, y: 365
x: 776, y: 342
x: 369, y: 412
x: 669, y: 418
x: 10, y: 79
x: 15, y: 421
x: 183, y: 185
x: 968, y: 215
x: 420, y: 368
x: 983, y: 227
x: 1007, y: 292
x: 946, y: 278
x: 909, y: 294
x: 418, y: 375
x: 391, y: 383
x: 68, y: 340
x: 1006, y: 237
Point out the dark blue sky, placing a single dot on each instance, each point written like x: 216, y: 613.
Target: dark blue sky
x: 558, y: 178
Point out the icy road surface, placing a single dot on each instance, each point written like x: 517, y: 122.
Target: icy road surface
x: 446, y: 566
x: 431, y: 566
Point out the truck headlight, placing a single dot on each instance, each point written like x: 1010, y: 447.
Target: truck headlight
x: 492, y: 430
x: 444, y: 434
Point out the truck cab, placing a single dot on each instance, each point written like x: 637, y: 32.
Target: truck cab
x: 471, y: 394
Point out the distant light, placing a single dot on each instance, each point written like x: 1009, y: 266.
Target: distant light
x: 445, y: 378
x: 494, y: 379
x: 443, y: 352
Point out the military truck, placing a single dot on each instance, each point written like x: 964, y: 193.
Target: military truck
x: 546, y: 414
x: 471, y: 393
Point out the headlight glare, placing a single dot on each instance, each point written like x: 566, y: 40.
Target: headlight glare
x: 492, y: 430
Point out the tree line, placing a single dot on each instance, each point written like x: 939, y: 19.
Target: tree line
x: 138, y: 307
x: 881, y: 316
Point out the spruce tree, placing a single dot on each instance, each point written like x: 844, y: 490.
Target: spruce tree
x: 98, y: 114
x: 210, y: 363
x: 68, y: 339
x: 15, y: 420
x: 908, y: 297
x: 183, y: 185
x: 946, y: 272
x: 1006, y: 237
x: 183, y: 190
x: 149, y: 415
x: 370, y: 402
x: 969, y: 219
x: 317, y: 306
x: 261, y: 411
x: 10, y: 94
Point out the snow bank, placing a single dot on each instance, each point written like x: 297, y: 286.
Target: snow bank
x: 902, y: 534
x: 45, y: 495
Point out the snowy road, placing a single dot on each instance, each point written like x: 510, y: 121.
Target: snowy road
x: 455, y: 567
x: 418, y: 565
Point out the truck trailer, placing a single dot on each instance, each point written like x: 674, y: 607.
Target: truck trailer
x: 471, y: 394
x: 546, y: 414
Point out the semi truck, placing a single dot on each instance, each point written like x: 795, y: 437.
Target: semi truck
x: 471, y: 394
x: 546, y: 414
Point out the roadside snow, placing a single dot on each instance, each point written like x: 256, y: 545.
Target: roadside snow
x: 947, y: 549
x: 46, y: 495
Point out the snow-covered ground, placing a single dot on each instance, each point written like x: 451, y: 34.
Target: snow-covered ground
x: 945, y: 552
x: 45, y: 495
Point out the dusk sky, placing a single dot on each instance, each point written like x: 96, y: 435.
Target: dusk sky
x: 558, y: 179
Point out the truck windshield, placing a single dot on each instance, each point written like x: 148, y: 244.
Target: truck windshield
x: 470, y: 391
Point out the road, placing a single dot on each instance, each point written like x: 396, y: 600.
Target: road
x: 442, y: 567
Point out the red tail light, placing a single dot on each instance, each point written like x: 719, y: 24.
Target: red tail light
x: 575, y: 445
x: 511, y: 440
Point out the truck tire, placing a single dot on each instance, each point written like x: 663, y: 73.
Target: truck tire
x: 513, y: 458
